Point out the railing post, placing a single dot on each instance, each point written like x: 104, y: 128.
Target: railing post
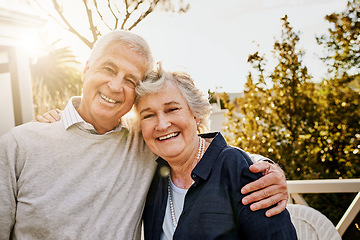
x: 349, y: 215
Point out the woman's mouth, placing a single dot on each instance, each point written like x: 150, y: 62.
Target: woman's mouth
x: 171, y: 135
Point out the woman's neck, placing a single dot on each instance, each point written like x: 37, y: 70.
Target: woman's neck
x: 181, y: 173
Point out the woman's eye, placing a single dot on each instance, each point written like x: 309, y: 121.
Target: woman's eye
x: 173, y: 109
x: 147, y: 116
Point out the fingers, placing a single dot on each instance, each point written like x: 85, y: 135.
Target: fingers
x: 277, y: 209
x: 49, y: 117
x: 269, y: 190
x: 261, y: 166
x: 266, y: 194
x: 264, y: 198
x: 54, y: 114
x: 40, y: 118
x: 272, y: 176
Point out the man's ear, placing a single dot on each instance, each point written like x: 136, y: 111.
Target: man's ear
x: 84, y: 71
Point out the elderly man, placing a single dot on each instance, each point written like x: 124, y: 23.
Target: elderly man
x: 87, y: 175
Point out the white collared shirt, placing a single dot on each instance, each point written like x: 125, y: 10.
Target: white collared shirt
x: 71, y: 117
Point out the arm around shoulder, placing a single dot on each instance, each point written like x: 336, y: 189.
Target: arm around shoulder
x: 269, y: 190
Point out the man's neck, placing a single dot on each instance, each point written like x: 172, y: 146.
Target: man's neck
x: 102, y: 127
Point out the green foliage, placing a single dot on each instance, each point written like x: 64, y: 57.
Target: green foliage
x: 343, y: 42
x: 278, y: 120
x: 55, y: 78
x: 311, y: 129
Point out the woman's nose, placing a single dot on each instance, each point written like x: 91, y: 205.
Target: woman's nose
x: 163, y: 123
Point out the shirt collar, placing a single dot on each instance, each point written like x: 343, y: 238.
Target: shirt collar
x: 71, y: 117
x: 203, y: 168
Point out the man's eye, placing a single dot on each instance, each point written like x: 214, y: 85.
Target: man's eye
x: 131, y: 82
x: 108, y: 69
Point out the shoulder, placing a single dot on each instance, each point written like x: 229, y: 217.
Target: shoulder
x: 30, y: 128
x: 233, y: 164
x: 222, y: 150
x: 36, y: 129
x: 234, y: 157
x: 34, y: 134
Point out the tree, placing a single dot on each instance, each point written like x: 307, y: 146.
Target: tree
x: 340, y: 120
x: 338, y: 99
x: 311, y: 129
x: 277, y: 120
x: 55, y: 78
x: 343, y: 43
x: 104, y: 15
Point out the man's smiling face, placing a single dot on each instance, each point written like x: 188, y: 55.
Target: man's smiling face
x: 109, y: 86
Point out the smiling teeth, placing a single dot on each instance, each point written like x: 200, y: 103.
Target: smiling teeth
x: 168, y: 136
x: 106, y: 98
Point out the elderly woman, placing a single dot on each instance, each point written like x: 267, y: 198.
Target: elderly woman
x: 195, y: 193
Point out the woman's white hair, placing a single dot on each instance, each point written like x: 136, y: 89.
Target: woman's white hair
x: 199, y: 105
x: 131, y: 40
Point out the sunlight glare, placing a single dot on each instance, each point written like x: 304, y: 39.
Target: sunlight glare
x: 32, y: 45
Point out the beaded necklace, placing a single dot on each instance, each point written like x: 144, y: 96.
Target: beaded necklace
x: 201, y: 152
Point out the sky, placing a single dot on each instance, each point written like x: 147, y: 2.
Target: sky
x: 213, y: 40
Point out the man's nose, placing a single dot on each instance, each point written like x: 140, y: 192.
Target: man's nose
x: 116, y: 83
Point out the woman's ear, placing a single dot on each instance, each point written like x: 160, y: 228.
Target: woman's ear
x: 197, y: 120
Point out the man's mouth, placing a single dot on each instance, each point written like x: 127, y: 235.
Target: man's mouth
x: 107, y: 99
x: 171, y: 135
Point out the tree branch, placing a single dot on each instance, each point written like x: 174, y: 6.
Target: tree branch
x: 114, y: 15
x: 100, y: 15
x: 145, y: 14
x: 93, y: 28
x: 127, y: 15
x: 70, y: 28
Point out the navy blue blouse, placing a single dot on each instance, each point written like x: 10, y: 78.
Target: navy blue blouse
x: 212, y: 207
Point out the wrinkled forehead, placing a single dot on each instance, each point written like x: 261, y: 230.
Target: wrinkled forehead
x: 99, y: 51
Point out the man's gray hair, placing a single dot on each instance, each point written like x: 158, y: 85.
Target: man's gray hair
x: 127, y: 38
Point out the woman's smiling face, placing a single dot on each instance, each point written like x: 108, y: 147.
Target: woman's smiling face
x: 168, y: 126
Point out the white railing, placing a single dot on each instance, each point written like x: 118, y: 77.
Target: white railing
x: 298, y: 187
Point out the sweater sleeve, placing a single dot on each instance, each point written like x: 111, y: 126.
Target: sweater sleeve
x: 8, y: 189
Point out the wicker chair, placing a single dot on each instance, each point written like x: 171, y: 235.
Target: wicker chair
x: 310, y: 224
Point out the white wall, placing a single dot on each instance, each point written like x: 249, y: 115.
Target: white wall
x: 17, y: 24
x: 7, y: 120
x: 217, y: 118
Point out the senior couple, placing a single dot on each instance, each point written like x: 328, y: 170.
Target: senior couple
x: 88, y: 175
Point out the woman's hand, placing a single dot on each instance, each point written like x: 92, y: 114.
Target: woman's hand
x: 49, y: 117
x: 269, y: 190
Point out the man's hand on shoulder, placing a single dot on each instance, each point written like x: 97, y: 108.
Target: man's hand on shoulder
x: 49, y: 117
x: 269, y: 190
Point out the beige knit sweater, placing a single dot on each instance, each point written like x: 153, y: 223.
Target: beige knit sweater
x: 68, y: 184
